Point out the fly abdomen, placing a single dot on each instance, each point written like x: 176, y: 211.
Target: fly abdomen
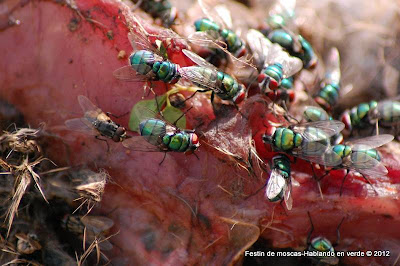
x: 328, y: 96
x: 209, y: 76
x: 389, y: 112
x: 205, y: 24
x: 153, y: 130
x: 364, y: 155
x: 178, y: 142
x: 234, y: 43
x: 142, y: 61
x: 282, y: 38
x: 307, y: 55
x: 160, y: 9
x: 106, y: 128
x: 359, y: 114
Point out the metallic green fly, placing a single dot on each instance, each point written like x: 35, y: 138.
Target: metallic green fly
x: 308, y: 141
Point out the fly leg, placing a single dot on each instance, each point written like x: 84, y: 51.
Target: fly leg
x: 311, y: 230
x: 369, y: 182
x: 237, y: 108
x: 108, y: 146
x: 255, y: 193
x: 288, y: 115
x: 318, y: 183
x: 338, y: 234
x: 182, y: 115
x: 116, y: 116
x: 191, y: 96
x: 344, y: 178
x: 139, y: 2
x: 165, y: 155
x: 326, y: 173
x: 283, y: 207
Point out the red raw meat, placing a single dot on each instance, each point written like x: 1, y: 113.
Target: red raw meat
x: 186, y: 211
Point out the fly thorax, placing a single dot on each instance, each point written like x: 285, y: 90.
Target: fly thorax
x: 284, y: 139
x: 165, y: 70
x: 220, y: 85
x: 232, y: 40
x: 142, y: 61
x: 166, y: 139
x: 275, y: 73
x: 320, y: 244
x: 287, y: 83
x: 284, y: 166
x: 342, y: 150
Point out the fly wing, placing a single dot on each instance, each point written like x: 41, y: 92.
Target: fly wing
x: 275, y: 185
x: 318, y: 153
x: 127, y: 73
x: 376, y: 171
x: 139, y: 39
x: 259, y: 46
x: 291, y: 65
x: 384, y: 109
x: 366, y: 165
x: 320, y: 130
x: 88, y: 107
x: 139, y: 143
x: 332, y: 74
x: 284, y: 8
x: 218, y: 14
x: 370, y: 142
x: 288, y: 195
x: 204, y: 38
x: 200, y: 78
x: 82, y: 125
x: 310, y: 110
x: 97, y: 224
x: 198, y: 60
x: 104, y: 244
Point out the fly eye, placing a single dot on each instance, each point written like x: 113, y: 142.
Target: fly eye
x: 120, y: 131
x: 266, y: 138
x: 116, y: 138
x: 195, y: 139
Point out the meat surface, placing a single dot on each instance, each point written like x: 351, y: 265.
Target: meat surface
x: 185, y: 211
